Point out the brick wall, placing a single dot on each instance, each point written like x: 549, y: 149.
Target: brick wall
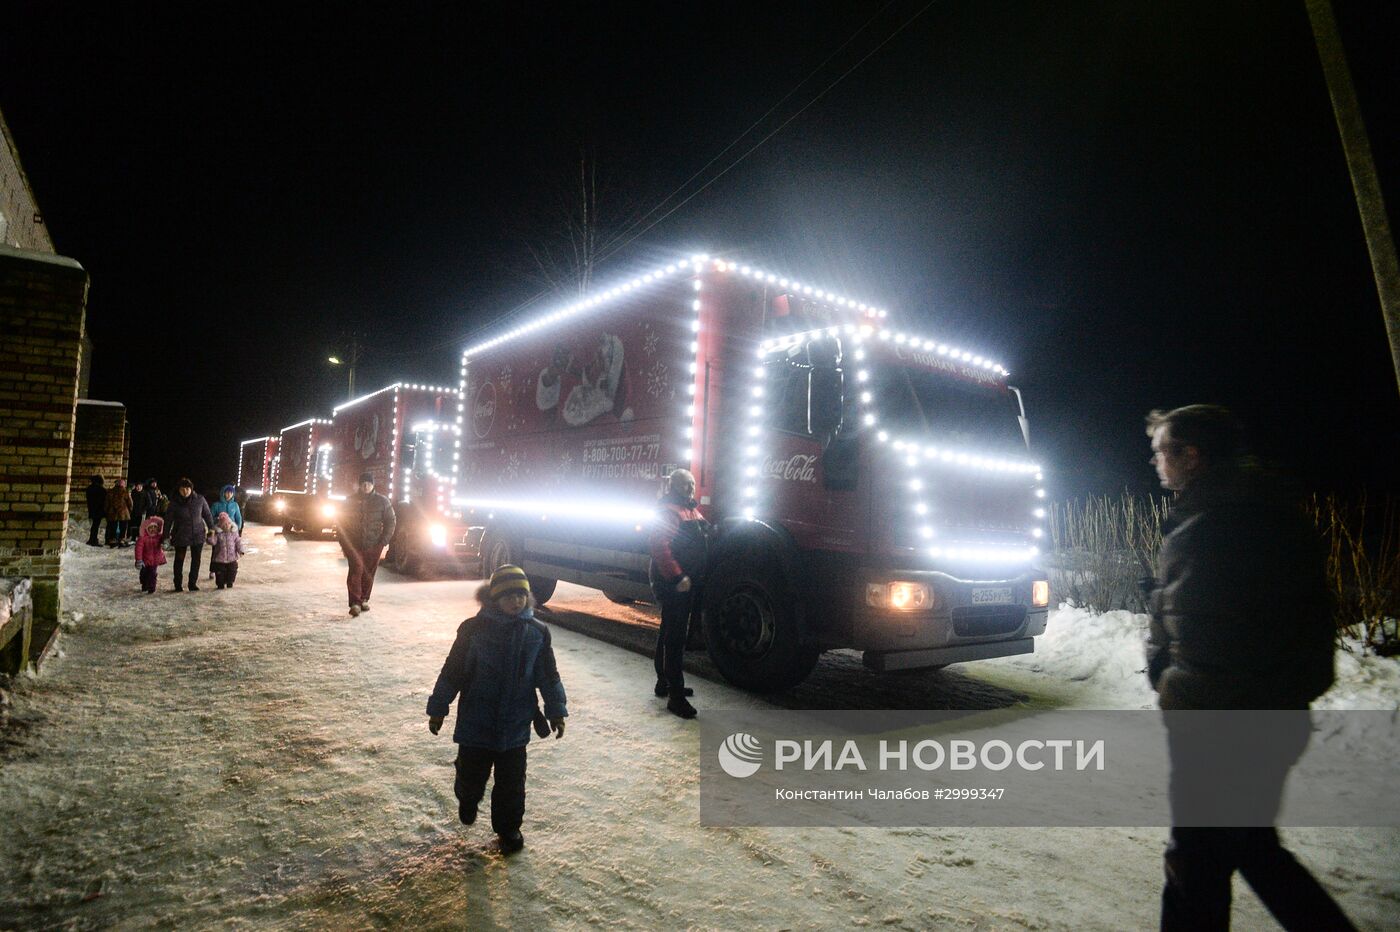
x: 99, y: 448
x: 42, y: 301
x: 21, y: 224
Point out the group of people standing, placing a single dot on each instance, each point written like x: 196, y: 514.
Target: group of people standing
x: 145, y: 517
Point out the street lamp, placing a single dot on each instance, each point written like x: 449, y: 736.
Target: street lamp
x: 350, y: 368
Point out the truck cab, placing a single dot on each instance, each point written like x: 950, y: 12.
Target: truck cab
x: 886, y: 478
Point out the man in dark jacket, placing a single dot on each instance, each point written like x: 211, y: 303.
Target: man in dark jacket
x: 678, y: 550
x: 364, y: 526
x: 188, y: 522
x: 97, y: 508
x: 138, y: 510
x: 1241, y: 619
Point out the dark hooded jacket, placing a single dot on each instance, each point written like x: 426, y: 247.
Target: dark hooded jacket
x: 1241, y: 614
x: 188, y: 520
x: 96, y: 499
x: 496, y: 664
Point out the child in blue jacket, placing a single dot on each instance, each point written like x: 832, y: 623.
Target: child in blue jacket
x: 500, y: 657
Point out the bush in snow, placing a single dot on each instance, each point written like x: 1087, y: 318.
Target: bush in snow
x: 1102, y: 547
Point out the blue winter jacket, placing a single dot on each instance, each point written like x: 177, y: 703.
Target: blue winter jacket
x: 497, y: 663
x: 230, y: 506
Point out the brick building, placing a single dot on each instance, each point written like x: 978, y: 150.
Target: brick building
x: 100, y: 447
x: 43, y: 306
x: 21, y: 224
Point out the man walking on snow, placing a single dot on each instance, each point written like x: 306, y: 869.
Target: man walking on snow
x: 1240, y: 620
x: 365, y: 526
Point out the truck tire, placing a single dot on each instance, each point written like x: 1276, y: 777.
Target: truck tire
x: 498, y: 550
x: 404, y: 561
x: 542, y: 588
x: 751, y: 627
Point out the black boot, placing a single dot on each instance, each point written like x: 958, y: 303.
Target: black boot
x: 511, y: 842
x: 677, y: 705
x: 662, y: 690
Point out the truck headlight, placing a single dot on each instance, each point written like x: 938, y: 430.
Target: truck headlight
x: 328, y: 510
x: 1040, y: 593
x: 900, y: 596
x: 438, y: 535
x: 279, y: 506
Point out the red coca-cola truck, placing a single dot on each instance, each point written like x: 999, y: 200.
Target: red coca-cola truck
x: 406, y: 436
x: 300, y: 497
x: 257, y: 470
x: 872, y: 488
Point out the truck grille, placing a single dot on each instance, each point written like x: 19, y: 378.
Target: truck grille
x: 972, y: 621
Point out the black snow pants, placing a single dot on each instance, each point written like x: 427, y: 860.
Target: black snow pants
x: 474, y: 765
x: 224, y: 573
x: 670, y: 638
x: 196, y: 551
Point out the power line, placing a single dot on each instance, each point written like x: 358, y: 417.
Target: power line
x: 737, y: 139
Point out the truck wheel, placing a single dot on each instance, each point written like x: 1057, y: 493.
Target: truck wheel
x: 404, y: 561
x: 751, y: 629
x: 498, y: 551
x: 542, y: 588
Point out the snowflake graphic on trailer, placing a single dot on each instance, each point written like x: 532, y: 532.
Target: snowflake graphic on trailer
x: 512, y: 468
x: 659, y: 381
x: 650, y: 341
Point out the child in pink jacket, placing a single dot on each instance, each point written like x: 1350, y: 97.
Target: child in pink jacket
x: 149, y: 554
x: 228, y: 547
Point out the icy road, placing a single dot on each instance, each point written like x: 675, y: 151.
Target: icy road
x: 256, y: 758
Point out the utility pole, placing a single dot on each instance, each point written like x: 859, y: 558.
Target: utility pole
x: 1370, y: 202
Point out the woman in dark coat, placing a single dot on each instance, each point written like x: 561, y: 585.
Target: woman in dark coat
x: 188, y: 522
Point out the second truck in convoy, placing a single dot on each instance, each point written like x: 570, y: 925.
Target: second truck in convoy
x: 871, y: 488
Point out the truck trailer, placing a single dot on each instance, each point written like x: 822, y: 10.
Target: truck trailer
x: 301, y: 496
x: 257, y: 470
x: 872, y: 488
x: 406, y: 436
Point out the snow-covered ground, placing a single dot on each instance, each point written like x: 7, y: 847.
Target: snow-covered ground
x: 256, y: 758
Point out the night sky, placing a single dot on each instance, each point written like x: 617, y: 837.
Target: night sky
x: 1130, y: 205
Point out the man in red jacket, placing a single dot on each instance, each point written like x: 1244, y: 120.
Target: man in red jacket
x: 678, y: 552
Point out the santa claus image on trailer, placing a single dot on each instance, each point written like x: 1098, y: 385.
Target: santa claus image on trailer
x: 588, y: 390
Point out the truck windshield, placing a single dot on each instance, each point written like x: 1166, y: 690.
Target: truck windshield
x: 946, y: 410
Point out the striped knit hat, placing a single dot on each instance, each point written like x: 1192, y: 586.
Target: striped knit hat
x: 507, y: 579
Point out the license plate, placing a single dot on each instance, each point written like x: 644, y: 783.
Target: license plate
x: 997, y: 596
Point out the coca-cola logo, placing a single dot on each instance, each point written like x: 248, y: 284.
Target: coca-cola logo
x: 484, y: 409
x: 800, y: 467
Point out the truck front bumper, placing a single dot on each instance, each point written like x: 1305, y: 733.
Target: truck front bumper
x: 970, y: 619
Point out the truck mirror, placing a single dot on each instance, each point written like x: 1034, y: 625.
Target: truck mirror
x: 824, y: 353
x: 824, y: 401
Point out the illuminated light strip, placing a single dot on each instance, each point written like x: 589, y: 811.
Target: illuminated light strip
x: 240, y: 457
x: 984, y: 554
x: 394, y: 443
x: 952, y: 352
x: 354, y: 401
x: 615, y: 511
x: 310, y: 420
x: 693, y: 402
x: 697, y: 263
x: 439, y: 389
x: 962, y: 457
